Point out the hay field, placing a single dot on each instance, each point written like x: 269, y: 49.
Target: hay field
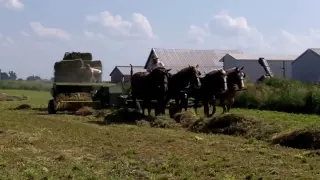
x: 36, y: 145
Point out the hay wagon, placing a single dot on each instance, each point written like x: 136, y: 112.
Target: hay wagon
x: 72, y: 96
x: 76, y: 86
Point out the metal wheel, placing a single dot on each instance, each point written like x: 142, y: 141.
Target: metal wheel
x: 51, y: 107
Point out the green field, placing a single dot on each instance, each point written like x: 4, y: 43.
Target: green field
x: 36, y: 145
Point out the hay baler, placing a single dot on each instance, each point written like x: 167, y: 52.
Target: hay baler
x: 73, y: 87
x: 72, y: 96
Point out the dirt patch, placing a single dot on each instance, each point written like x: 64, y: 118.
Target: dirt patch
x: 23, y: 106
x: 237, y: 125
x: 307, y: 138
x: 6, y: 97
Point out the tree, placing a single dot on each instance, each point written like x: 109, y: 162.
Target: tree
x: 12, y: 75
x: 33, y: 78
x: 4, y: 76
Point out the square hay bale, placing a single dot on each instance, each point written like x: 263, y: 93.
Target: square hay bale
x: 78, y: 55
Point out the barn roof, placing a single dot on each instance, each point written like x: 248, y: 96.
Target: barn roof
x: 183, y: 57
x: 313, y: 50
x: 125, y: 70
x: 274, y: 57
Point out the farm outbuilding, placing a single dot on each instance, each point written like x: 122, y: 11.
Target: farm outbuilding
x: 280, y: 65
x: 176, y: 59
x: 306, y: 67
x: 124, y: 71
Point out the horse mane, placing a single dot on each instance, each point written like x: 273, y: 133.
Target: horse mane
x: 231, y: 70
x: 184, y: 70
x: 216, y: 71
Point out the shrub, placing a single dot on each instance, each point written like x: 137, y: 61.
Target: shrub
x: 25, y: 85
x: 281, y: 94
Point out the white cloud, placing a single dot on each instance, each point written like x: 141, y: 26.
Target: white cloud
x: 236, y: 32
x: 90, y: 34
x: 49, y: 32
x: 24, y: 33
x: 12, y: 4
x: 5, y: 40
x: 139, y: 26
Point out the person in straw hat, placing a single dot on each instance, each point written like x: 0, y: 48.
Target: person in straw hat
x: 155, y: 63
x: 92, y: 72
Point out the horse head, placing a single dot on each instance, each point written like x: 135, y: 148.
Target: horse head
x: 193, y: 75
x: 219, y: 78
x: 237, y: 77
x: 160, y: 77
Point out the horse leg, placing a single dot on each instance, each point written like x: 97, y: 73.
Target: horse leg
x: 195, y: 105
x: 224, y: 107
x: 213, y: 106
x: 178, y: 105
x: 230, y: 103
x: 148, y: 105
x: 206, y: 108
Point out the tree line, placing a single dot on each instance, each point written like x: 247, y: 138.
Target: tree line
x: 11, y: 75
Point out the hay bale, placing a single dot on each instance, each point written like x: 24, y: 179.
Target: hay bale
x: 77, y: 55
x: 81, y: 96
x: 186, y: 118
x: 23, y: 106
x: 124, y: 116
x: 69, y: 70
x: 85, y: 111
x: 236, y: 124
x: 307, y: 138
x: 6, y: 97
x: 164, y: 122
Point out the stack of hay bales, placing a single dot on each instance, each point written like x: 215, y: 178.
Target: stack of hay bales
x: 72, y: 68
x: 68, y: 70
x: 78, y: 55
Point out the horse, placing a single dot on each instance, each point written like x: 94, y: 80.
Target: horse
x: 148, y: 86
x: 235, y: 78
x: 179, y: 81
x: 212, y: 84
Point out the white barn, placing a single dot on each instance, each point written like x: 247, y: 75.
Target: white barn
x: 176, y: 59
x: 306, y: 67
x: 280, y: 65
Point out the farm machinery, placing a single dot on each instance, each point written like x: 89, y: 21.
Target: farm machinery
x: 268, y: 73
x: 75, y: 85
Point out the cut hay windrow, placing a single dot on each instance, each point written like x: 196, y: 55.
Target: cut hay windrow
x: 78, y: 55
x: 74, y: 97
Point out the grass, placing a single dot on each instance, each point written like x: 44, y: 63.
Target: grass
x: 41, y: 146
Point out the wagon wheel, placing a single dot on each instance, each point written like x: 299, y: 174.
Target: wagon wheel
x: 51, y: 107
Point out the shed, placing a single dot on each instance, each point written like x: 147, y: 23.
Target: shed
x: 306, y: 67
x: 280, y: 65
x: 124, y: 71
x: 177, y: 59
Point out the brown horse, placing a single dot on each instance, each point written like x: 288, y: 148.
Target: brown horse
x: 179, y: 81
x: 149, y: 86
x: 235, y: 77
x: 212, y: 84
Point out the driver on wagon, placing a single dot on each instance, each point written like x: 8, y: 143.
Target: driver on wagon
x: 92, y: 71
x: 155, y: 63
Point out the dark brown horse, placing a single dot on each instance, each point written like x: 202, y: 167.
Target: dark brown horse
x: 212, y: 84
x: 179, y: 81
x: 149, y: 86
x: 235, y: 78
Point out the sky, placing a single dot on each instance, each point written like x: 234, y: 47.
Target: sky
x: 34, y: 34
